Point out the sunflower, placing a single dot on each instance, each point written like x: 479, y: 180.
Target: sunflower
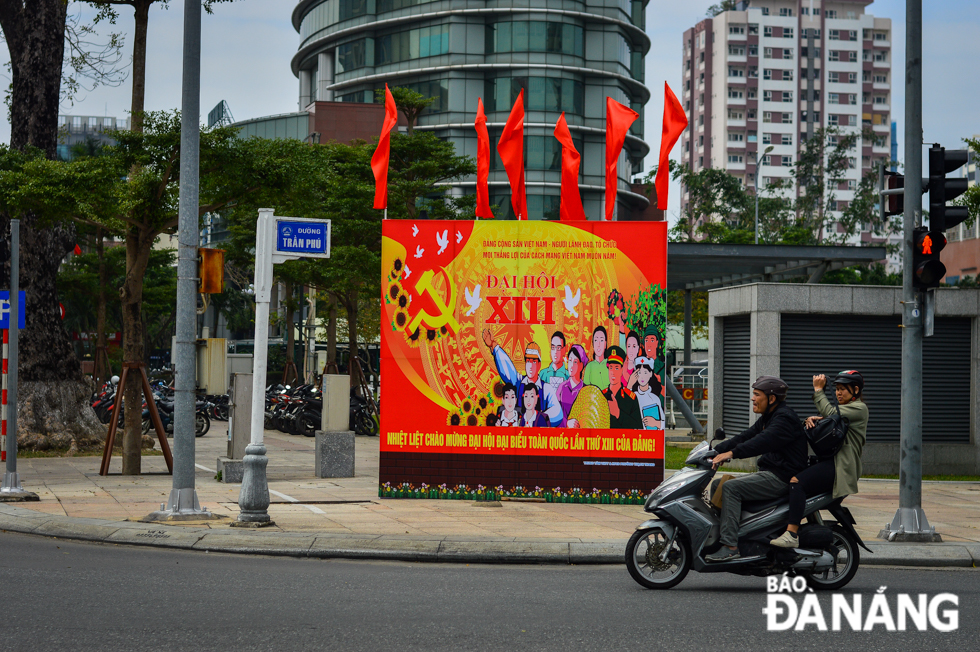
x: 467, y: 406
x: 483, y: 403
x: 393, y: 291
x: 430, y: 335
x: 443, y: 331
x: 401, y: 319
x: 397, y: 267
x: 454, y: 419
x: 491, y: 420
x: 413, y: 337
x: 471, y: 420
x: 498, y: 389
x: 403, y: 301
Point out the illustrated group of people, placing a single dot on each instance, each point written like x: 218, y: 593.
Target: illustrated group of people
x: 629, y: 376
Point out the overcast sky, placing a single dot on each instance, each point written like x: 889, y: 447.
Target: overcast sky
x: 247, y: 46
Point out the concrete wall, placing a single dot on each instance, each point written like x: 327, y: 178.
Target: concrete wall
x: 766, y: 302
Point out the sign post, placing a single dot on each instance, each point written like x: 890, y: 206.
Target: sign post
x: 11, y: 489
x: 277, y: 239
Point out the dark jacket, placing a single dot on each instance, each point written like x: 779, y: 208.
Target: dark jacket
x: 778, y: 437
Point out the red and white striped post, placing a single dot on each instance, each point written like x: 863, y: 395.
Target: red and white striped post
x: 3, y: 400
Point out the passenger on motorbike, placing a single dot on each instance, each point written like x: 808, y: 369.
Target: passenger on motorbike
x: 840, y: 473
x: 778, y: 437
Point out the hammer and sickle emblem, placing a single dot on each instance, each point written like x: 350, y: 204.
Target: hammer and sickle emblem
x: 445, y: 317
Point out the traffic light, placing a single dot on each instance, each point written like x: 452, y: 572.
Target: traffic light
x: 894, y: 204
x: 941, y: 189
x: 929, y: 271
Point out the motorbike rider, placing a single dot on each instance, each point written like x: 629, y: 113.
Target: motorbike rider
x: 841, y: 472
x: 778, y: 438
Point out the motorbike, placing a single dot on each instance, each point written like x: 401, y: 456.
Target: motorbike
x: 663, y: 550
x: 165, y: 408
x: 362, y: 420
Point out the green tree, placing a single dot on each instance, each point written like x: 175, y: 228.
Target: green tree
x: 971, y: 198
x: 717, y: 209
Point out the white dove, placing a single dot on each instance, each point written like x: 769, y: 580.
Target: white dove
x: 572, y: 301
x: 419, y: 251
x: 472, y: 299
x: 442, y: 241
x: 415, y: 230
x: 459, y: 237
x: 407, y: 273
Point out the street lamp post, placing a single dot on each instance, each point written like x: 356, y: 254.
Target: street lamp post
x: 758, y: 158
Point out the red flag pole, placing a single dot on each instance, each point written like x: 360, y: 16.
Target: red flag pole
x: 618, y: 121
x: 379, y: 160
x: 675, y: 122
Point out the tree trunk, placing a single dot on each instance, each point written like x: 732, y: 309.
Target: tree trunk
x: 138, y: 245
x: 102, y: 369
x: 142, y: 16
x: 290, y: 331
x: 332, y: 334
x: 352, y: 367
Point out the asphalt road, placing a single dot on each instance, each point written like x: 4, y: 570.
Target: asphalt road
x: 76, y: 596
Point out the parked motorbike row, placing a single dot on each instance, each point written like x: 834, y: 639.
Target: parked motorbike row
x: 105, y: 398
x: 297, y: 411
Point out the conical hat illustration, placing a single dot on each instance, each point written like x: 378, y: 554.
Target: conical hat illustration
x: 590, y: 409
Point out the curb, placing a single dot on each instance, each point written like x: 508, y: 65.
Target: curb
x: 408, y: 548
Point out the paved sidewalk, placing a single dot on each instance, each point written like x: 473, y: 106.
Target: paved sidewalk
x: 345, y: 517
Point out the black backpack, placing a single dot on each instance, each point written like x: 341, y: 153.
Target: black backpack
x: 826, y: 437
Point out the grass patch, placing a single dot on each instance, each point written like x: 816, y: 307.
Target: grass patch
x: 956, y: 478
x: 97, y: 453
x: 674, y: 457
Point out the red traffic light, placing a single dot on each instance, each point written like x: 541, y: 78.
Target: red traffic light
x: 930, y: 242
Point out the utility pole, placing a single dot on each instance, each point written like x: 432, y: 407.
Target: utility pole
x: 183, y: 503
x: 909, y: 522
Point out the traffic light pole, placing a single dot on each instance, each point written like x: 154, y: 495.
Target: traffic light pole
x: 909, y: 522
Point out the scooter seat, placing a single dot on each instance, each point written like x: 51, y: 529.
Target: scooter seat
x: 756, y: 506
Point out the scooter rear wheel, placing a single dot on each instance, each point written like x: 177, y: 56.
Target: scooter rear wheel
x: 644, y: 564
x: 847, y: 558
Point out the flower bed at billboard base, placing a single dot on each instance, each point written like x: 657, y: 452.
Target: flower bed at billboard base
x: 481, y: 493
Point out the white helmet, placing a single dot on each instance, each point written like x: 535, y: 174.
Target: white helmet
x: 114, y: 380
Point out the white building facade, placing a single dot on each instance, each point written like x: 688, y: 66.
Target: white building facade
x: 771, y: 73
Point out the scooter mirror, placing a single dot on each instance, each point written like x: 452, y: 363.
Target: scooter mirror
x: 720, y: 433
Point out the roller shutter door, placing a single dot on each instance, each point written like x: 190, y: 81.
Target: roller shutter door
x: 812, y: 344
x: 735, y: 374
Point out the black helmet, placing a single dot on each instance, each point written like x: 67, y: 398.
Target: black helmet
x: 850, y: 377
x: 771, y: 386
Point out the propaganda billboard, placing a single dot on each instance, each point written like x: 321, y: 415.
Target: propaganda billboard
x: 523, y: 358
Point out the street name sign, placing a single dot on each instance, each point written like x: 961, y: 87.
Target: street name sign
x: 304, y: 237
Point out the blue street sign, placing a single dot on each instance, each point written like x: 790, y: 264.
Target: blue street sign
x: 305, y: 237
x: 5, y: 309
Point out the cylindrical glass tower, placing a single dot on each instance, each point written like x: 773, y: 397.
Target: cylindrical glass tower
x: 567, y: 55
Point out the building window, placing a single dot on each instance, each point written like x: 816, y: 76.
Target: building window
x: 753, y: 72
x: 735, y: 93
x: 852, y: 78
x: 412, y: 44
x: 833, y: 76
x: 540, y: 94
x: 881, y: 55
x: 701, y: 120
x: 767, y: 31
x: 735, y: 115
x: 786, y: 161
x: 881, y: 99
x: 767, y: 96
x: 754, y: 29
x: 736, y: 29
x: 536, y: 36
x: 785, y: 11
x: 787, y: 75
x: 736, y: 137
x: 391, y: 5
x: 830, y: 13
x: 881, y: 36
x: 765, y: 11
x: 438, y: 88
x: 351, y: 56
x: 787, y: 139
x: 766, y: 138
x: 833, y: 35
x: 751, y: 115
x: 736, y: 50
x: 540, y: 152
x: 787, y: 53
x: 736, y: 72
x: 767, y: 53
x: 767, y: 73
x: 751, y: 94
x: 787, y: 96
x: 735, y: 158
x: 833, y: 98
x: 881, y: 79
x: 767, y: 160
x: 787, y: 32
x: 753, y: 50
x: 833, y: 55
x: 767, y: 116
x: 787, y: 118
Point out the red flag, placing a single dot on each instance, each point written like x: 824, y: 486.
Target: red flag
x: 482, y: 162
x: 571, y: 200
x: 78, y: 250
x: 510, y: 148
x: 379, y: 161
x: 618, y: 121
x: 675, y: 122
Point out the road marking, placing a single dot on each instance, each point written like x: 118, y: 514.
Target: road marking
x: 204, y: 468
x: 312, y: 508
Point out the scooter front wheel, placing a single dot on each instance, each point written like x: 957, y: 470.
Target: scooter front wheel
x: 847, y: 558
x: 644, y: 563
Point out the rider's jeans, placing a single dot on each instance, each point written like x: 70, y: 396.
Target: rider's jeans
x: 764, y: 485
x: 813, y: 480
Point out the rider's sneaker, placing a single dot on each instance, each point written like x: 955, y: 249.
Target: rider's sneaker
x: 723, y: 554
x: 786, y: 540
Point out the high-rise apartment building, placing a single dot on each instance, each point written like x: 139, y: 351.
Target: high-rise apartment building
x: 567, y: 56
x: 772, y: 72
